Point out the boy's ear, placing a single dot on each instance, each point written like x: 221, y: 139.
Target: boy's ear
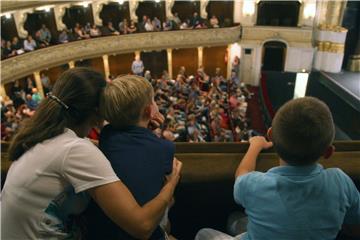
x: 269, y: 133
x: 329, y: 151
x: 147, y: 112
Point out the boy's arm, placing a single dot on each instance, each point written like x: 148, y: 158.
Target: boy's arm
x: 248, y: 163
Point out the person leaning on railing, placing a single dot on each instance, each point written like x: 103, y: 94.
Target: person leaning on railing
x: 54, y: 168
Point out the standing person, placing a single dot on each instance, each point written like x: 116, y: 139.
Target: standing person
x: 54, y: 167
x: 137, y: 66
x: 45, y: 82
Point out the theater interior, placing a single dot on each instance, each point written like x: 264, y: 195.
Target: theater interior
x: 261, y: 54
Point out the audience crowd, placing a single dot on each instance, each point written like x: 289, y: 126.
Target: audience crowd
x: 197, y: 108
x: 200, y: 108
x: 43, y: 37
x: 20, y: 105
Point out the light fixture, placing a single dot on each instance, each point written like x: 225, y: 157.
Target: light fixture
x: 85, y: 4
x: 121, y: 2
x: 7, y: 15
x: 46, y: 8
x: 309, y: 10
x: 157, y: 1
x: 301, y: 83
x: 248, y: 7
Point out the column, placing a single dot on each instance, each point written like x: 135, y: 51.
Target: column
x: 71, y: 64
x: 168, y: 8
x: 20, y: 19
x: 229, y: 63
x: 307, y: 13
x: 38, y: 83
x: 2, y: 91
x: 334, y: 12
x: 203, y: 5
x: 354, y: 60
x: 96, y: 9
x: 59, y: 11
x: 169, y: 62
x: 133, y: 5
x: 200, y: 56
x: 237, y: 11
x: 106, y: 65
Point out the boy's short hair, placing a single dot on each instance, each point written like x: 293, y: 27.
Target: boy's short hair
x: 302, y: 129
x: 124, y: 100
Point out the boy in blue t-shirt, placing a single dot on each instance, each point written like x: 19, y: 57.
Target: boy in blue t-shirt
x: 298, y: 199
x: 139, y: 158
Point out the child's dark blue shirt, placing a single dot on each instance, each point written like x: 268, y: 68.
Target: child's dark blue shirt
x: 141, y: 160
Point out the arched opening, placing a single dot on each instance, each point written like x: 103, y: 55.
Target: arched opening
x: 77, y: 14
x: 115, y: 12
x: 274, y: 53
x: 278, y: 13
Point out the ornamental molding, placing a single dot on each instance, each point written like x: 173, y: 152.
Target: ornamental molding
x: 26, y: 64
x: 292, y: 36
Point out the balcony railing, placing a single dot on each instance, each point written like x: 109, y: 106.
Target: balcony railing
x: 26, y: 64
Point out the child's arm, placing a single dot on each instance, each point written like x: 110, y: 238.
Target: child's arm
x: 248, y: 163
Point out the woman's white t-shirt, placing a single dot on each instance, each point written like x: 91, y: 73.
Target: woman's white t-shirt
x: 46, y: 185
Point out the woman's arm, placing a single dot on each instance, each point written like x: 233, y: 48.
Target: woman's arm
x: 120, y: 206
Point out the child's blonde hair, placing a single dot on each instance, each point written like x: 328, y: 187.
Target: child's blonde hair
x: 124, y: 100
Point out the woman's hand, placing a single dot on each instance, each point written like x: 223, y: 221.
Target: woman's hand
x: 174, y: 177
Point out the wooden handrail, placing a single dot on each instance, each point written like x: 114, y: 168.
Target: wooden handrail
x: 206, y: 162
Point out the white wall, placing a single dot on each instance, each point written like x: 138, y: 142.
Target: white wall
x: 298, y: 59
x: 250, y: 66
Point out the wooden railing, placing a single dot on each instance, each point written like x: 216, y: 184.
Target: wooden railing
x: 208, y: 162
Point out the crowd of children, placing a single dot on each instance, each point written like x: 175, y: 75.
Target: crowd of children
x: 200, y: 108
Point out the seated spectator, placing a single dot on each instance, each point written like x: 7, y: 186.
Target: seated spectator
x: 176, y: 19
x: 139, y: 158
x: 8, y: 51
x: 30, y: 84
x: 132, y: 28
x: 40, y: 43
x: 44, y: 35
x: 87, y: 28
x: 46, y: 83
x: 123, y: 26
x: 142, y: 23
x: 168, y: 25
x: 95, y: 31
x: 185, y: 25
x: 214, y: 22
x: 36, y: 96
x: 17, y: 46
x: 63, y: 36
x: 110, y: 30
x: 80, y: 32
x: 30, y: 103
x: 149, y: 27
x: 195, y: 20
x: 29, y: 44
x: 156, y: 24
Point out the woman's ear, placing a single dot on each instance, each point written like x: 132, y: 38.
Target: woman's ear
x: 269, y: 133
x: 329, y: 151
